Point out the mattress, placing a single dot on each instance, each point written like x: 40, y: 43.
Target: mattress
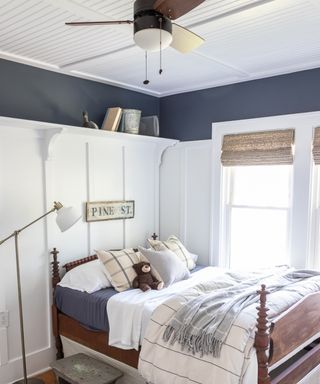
x: 89, y: 309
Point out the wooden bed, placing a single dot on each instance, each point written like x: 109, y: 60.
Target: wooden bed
x: 273, y: 342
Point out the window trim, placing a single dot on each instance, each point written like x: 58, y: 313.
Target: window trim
x: 314, y: 260
x: 301, y: 212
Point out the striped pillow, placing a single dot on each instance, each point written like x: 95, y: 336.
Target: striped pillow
x: 175, y: 245
x: 118, y: 267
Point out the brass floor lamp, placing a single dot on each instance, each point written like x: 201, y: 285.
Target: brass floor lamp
x: 66, y: 217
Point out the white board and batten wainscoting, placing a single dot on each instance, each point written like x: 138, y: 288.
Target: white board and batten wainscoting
x: 40, y: 163
x: 185, y: 198
x: 175, y: 186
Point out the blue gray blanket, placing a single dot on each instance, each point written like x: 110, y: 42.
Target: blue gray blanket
x: 203, y: 323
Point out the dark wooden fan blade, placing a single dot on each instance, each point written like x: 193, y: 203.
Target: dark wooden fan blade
x: 90, y: 23
x: 175, y: 8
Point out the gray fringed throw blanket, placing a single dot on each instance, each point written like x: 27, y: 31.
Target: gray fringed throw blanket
x: 203, y: 323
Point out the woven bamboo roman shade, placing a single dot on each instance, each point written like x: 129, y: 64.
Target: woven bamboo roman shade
x: 258, y: 148
x: 316, y: 146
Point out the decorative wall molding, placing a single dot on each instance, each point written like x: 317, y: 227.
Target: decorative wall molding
x: 185, y: 195
x: 50, y: 137
x: 38, y: 362
x: 47, y: 162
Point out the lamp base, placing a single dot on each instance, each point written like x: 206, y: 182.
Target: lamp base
x: 30, y: 381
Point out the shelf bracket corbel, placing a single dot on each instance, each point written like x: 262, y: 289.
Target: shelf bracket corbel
x: 162, y: 149
x: 50, y: 138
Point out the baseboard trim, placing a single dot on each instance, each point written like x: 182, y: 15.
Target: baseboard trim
x: 37, y: 362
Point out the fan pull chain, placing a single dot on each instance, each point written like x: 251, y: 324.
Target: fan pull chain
x: 160, y: 70
x: 146, y: 82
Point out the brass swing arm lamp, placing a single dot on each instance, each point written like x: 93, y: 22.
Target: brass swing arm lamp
x: 57, y: 205
x: 66, y: 218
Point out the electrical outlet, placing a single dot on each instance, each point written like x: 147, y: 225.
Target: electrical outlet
x: 4, y: 319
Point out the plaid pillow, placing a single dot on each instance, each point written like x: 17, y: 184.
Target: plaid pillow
x: 118, y: 267
x: 175, y: 245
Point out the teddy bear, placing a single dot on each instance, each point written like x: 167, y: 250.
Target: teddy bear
x: 144, y: 279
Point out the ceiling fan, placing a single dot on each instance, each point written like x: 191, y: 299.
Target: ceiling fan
x: 153, y: 26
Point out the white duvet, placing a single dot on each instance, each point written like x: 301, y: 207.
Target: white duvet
x: 138, y: 318
x: 129, y: 312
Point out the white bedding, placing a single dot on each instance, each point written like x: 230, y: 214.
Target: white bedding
x: 138, y: 318
x: 131, y: 375
x: 129, y: 312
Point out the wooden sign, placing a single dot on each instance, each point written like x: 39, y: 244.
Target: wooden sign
x: 109, y: 210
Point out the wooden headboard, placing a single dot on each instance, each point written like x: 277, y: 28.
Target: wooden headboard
x: 76, y: 263
x: 72, y: 264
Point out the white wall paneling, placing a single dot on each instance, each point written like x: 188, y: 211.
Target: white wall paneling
x: 185, y: 199
x: 22, y: 200
x: 170, y: 193
x: 106, y: 182
x: 40, y: 163
x: 139, y: 179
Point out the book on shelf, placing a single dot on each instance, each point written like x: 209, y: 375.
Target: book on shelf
x: 112, y: 119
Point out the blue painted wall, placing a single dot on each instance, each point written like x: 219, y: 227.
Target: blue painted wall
x: 36, y: 94
x: 189, y: 116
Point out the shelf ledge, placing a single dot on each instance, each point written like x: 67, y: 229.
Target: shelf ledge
x: 9, y: 122
x: 52, y: 131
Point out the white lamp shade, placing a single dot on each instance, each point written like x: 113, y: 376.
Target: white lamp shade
x: 66, y: 217
x: 149, y: 39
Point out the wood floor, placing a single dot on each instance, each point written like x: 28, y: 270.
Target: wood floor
x: 48, y: 377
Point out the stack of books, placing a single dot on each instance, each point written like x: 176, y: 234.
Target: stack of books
x: 122, y: 120
x: 130, y: 121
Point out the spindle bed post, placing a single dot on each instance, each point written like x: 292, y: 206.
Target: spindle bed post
x: 55, y: 268
x: 55, y: 318
x: 262, y: 338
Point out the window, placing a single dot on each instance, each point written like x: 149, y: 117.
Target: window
x: 265, y: 213
x: 315, y: 239
x: 257, y: 209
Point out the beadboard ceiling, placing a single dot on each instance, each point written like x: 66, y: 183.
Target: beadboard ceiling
x: 245, y: 40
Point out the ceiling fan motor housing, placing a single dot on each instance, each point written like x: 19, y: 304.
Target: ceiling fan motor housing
x: 147, y: 26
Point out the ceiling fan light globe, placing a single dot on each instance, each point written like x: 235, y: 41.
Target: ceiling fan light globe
x: 149, y: 39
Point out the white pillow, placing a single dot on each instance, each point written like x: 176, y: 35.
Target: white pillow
x: 175, y: 245
x: 167, y: 264
x: 88, y: 277
x: 194, y: 257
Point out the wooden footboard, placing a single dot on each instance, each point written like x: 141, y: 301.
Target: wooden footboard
x: 262, y: 338
x: 294, y: 328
